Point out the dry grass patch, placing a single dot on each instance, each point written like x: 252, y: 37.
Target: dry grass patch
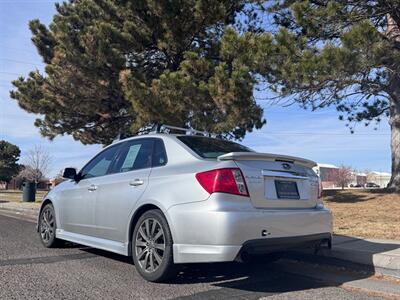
x: 16, y: 195
x: 365, y: 214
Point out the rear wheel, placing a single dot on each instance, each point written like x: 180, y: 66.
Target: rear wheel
x: 47, y: 227
x: 152, y: 247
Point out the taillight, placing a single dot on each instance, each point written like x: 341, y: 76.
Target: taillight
x: 229, y: 181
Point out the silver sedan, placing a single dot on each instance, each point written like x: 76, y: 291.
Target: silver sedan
x: 168, y: 199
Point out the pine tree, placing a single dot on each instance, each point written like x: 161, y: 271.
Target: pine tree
x: 342, y: 53
x: 9, y: 155
x: 114, y: 66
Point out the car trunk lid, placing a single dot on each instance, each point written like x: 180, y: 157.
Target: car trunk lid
x: 277, y: 181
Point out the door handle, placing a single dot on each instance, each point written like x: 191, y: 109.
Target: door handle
x: 92, y: 188
x: 136, y: 182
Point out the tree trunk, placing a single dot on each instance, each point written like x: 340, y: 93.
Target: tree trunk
x: 393, y: 32
x: 394, y: 122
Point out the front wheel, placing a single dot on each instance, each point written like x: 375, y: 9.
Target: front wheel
x: 47, y: 227
x: 152, y: 247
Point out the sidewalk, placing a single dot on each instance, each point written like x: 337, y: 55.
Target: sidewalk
x: 380, y: 254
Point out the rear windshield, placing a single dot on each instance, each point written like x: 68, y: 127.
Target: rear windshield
x: 211, y: 148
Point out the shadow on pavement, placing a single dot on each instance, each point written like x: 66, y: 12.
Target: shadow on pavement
x: 110, y: 255
x: 296, y: 271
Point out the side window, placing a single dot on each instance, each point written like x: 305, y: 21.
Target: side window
x: 159, y: 154
x: 100, y: 165
x: 134, y: 155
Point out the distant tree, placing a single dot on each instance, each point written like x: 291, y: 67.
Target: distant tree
x: 341, y: 176
x: 28, y: 174
x: 36, y: 164
x: 115, y: 66
x: 9, y: 156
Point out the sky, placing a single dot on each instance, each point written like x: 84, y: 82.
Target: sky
x: 318, y: 136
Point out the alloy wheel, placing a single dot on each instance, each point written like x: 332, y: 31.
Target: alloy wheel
x: 47, y: 225
x: 150, y: 245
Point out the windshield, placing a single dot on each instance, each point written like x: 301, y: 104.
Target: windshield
x: 210, y: 147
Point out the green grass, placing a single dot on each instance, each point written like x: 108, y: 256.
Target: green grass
x: 16, y: 195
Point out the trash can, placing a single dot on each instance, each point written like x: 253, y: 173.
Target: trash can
x: 29, y: 191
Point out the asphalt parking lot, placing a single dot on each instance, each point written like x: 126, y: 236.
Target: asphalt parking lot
x: 30, y: 271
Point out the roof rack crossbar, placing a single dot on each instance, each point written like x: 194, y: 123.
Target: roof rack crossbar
x: 189, y: 131
x: 163, y: 128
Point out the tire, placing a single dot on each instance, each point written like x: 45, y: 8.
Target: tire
x: 152, y: 247
x: 47, y: 227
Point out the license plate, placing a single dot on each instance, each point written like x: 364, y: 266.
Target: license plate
x: 286, y: 189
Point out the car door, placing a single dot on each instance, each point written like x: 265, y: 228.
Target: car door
x: 78, y: 200
x: 119, y: 192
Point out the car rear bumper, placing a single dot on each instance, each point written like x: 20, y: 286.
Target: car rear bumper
x: 221, y: 227
x: 184, y: 253
x: 262, y: 246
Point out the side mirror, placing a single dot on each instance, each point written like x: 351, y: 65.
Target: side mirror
x: 69, y: 173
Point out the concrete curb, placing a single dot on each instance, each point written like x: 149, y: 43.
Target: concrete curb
x: 381, y: 255
x: 381, y: 260
x: 18, y: 215
x: 23, y: 211
x: 29, y: 210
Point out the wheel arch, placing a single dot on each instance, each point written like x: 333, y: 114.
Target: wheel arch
x: 138, y: 213
x: 44, y: 203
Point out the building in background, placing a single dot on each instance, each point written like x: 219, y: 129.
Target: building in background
x: 16, y: 184
x: 361, y: 179
x: 358, y: 179
x: 324, y: 172
x: 327, y: 171
x: 380, y: 178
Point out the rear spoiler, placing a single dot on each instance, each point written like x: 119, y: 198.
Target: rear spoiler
x: 267, y: 156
